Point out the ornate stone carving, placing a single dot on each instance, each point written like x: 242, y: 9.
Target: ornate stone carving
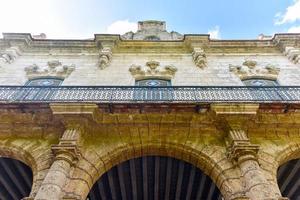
x: 9, y: 55
x: 240, y: 146
x: 293, y: 54
x: 152, y: 30
x: 153, y: 71
x: 199, y: 58
x: 250, y: 69
x: 105, y: 57
x: 53, y: 68
x: 6, y: 58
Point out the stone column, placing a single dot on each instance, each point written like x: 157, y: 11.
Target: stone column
x: 255, y: 185
x: 66, y: 153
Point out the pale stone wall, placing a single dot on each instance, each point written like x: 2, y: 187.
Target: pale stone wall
x: 117, y: 73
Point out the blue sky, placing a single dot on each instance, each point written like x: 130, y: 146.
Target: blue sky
x: 224, y: 19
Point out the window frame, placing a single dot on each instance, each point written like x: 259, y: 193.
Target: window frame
x: 168, y: 81
x: 44, y: 78
x: 273, y: 81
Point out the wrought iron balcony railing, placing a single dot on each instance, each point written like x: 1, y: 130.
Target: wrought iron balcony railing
x: 132, y: 94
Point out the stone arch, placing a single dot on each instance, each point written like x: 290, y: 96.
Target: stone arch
x: 271, y: 163
x: 30, y: 153
x: 17, y: 153
x: 206, y: 159
x: 289, y: 152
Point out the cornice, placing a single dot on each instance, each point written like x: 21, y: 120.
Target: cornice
x: 189, y: 42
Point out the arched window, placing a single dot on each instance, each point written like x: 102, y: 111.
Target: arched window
x: 44, y: 82
x: 260, y: 82
x: 153, y: 82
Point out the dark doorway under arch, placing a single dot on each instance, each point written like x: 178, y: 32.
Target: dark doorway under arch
x: 154, y: 177
x: 15, y: 179
x: 288, y: 177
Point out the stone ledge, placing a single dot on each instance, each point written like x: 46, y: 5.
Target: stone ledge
x: 225, y: 109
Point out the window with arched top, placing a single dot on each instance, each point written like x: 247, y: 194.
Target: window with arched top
x: 153, y: 82
x: 260, y: 82
x: 44, y: 82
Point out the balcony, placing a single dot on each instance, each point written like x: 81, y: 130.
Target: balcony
x: 137, y: 94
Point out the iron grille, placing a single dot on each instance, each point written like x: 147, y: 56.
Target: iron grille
x: 131, y: 94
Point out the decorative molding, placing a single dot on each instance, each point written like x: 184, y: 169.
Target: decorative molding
x: 105, y: 57
x: 152, y: 30
x: 67, y: 152
x: 199, y: 58
x: 293, y: 54
x: 74, y: 109
x: 240, y: 147
x: 9, y: 55
x: 154, y: 70
x: 6, y: 58
x: 53, y: 68
x: 235, y: 109
x: 68, y: 147
x: 250, y: 69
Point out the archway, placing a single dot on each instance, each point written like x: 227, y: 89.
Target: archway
x: 288, y: 178
x: 15, y: 179
x: 154, y: 177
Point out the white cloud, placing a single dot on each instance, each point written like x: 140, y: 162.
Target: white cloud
x: 32, y: 16
x: 121, y: 27
x: 294, y: 29
x: 215, y: 33
x: 291, y: 14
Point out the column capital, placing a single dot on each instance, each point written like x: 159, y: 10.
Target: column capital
x: 241, y: 152
x: 240, y: 149
x: 68, y: 147
x: 68, y: 152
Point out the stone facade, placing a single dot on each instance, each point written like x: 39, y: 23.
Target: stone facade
x: 70, y: 145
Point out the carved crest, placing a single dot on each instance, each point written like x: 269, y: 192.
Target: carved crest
x: 105, y: 57
x: 250, y: 69
x: 153, y: 70
x: 53, y: 68
x: 293, y: 54
x: 6, y: 58
x: 199, y: 58
x: 9, y: 55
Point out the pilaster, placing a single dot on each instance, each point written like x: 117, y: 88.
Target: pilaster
x: 66, y: 154
x: 67, y: 151
x: 242, y: 152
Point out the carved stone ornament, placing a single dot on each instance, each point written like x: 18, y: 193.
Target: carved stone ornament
x: 105, y: 57
x: 152, y: 30
x: 240, y: 148
x: 293, y: 54
x: 9, y: 55
x: 199, y: 58
x: 6, y: 58
x: 53, y: 68
x: 250, y: 69
x: 153, y: 70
